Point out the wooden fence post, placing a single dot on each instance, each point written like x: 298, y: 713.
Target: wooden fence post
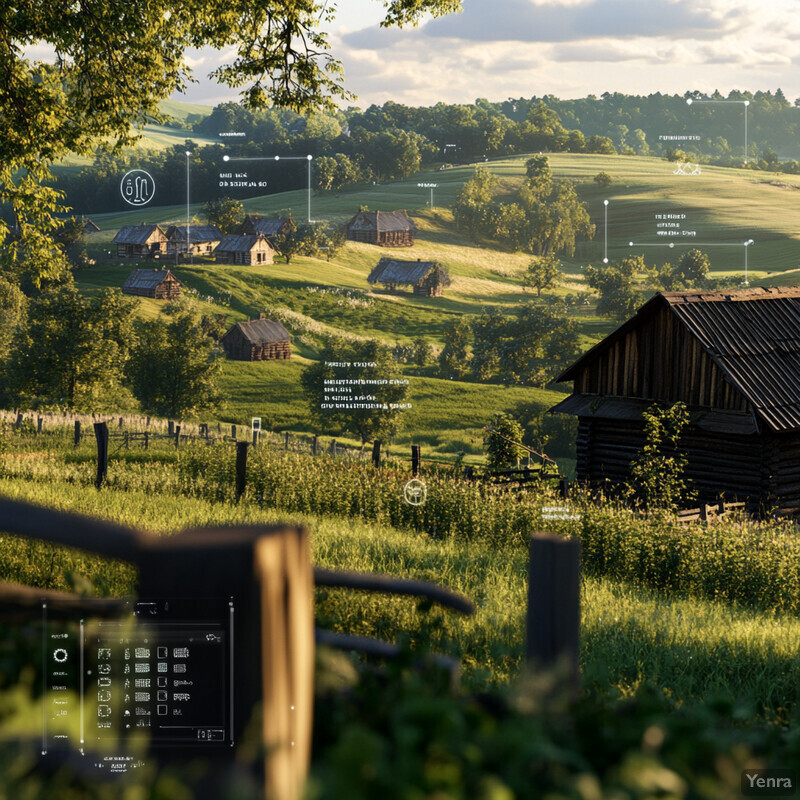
x: 77, y: 432
x: 286, y: 441
x: 177, y: 436
x: 376, y: 453
x: 101, y: 434
x: 121, y: 421
x: 315, y: 446
x: 553, y: 622
x: 39, y: 422
x: 233, y: 432
x: 170, y: 428
x: 563, y: 487
x: 18, y: 423
x: 333, y: 448
x: 241, y: 468
x: 147, y: 440
x: 255, y: 438
x: 415, y: 459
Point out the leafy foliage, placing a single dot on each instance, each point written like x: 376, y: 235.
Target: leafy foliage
x: 224, y: 212
x: 173, y: 369
x: 503, y: 450
x: 658, y: 471
x: 542, y: 273
x: 619, y: 297
x: 73, y: 349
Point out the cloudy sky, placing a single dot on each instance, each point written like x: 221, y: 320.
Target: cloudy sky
x: 512, y: 48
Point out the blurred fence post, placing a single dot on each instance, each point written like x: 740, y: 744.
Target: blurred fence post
x: 563, y: 487
x: 315, y: 445
x: 170, y: 428
x: 77, y: 439
x: 376, y: 453
x: 286, y: 441
x: 101, y: 434
x: 177, y: 436
x: 255, y: 438
x: 233, y: 432
x: 415, y: 459
x: 553, y: 621
x: 333, y: 448
x: 241, y: 468
x: 39, y: 423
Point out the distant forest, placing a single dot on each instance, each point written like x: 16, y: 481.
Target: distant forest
x: 393, y: 141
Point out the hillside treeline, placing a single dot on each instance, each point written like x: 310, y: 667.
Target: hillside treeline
x: 393, y: 141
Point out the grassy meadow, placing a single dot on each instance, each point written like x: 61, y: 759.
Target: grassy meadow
x: 690, y: 648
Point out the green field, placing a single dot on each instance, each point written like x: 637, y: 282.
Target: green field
x: 724, y: 206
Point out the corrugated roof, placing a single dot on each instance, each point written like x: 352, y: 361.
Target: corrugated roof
x: 392, y: 270
x: 242, y: 242
x: 198, y: 234
x: 752, y: 335
x: 387, y: 221
x: 269, y: 227
x: 262, y: 330
x: 146, y: 278
x: 136, y: 234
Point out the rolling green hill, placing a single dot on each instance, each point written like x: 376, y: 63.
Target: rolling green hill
x: 723, y: 206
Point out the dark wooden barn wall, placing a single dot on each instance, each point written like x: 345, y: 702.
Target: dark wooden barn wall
x: 239, y: 348
x: 660, y: 361
x: 737, y: 466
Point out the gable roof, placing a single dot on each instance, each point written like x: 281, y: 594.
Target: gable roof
x: 269, y: 227
x: 147, y: 278
x: 262, y: 330
x: 198, y: 234
x: 392, y: 270
x: 386, y: 221
x: 137, y: 234
x: 241, y: 242
x: 752, y: 335
x: 89, y: 225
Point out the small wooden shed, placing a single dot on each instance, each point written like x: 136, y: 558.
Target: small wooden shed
x: 201, y: 240
x: 160, y: 284
x: 244, y: 249
x: 428, y: 278
x: 734, y: 359
x: 140, y: 241
x: 385, y: 228
x: 89, y: 225
x: 257, y: 340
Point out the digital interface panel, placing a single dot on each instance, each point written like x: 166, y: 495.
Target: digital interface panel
x: 163, y: 671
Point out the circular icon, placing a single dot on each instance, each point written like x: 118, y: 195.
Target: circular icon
x: 60, y: 655
x: 137, y: 187
x: 415, y: 492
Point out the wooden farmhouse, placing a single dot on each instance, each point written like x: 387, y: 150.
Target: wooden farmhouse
x: 734, y: 359
x: 385, y: 228
x: 428, y: 278
x: 244, y: 249
x: 257, y: 340
x: 271, y: 228
x: 201, y: 240
x: 140, y: 241
x: 160, y: 284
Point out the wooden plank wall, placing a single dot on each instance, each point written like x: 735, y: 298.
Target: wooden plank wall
x: 660, y: 361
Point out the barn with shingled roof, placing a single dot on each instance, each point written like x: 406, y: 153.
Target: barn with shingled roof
x: 427, y: 278
x: 734, y: 359
x: 159, y: 284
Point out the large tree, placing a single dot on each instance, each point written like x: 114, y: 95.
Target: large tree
x: 116, y: 60
x: 173, y: 368
x: 616, y: 283
x: 73, y: 350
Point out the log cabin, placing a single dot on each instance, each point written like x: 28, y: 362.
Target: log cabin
x: 159, y: 284
x: 428, y: 278
x: 384, y: 228
x: 202, y: 240
x: 140, y: 241
x: 244, y: 249
x: 734, y: 359
x: 257, y: 340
